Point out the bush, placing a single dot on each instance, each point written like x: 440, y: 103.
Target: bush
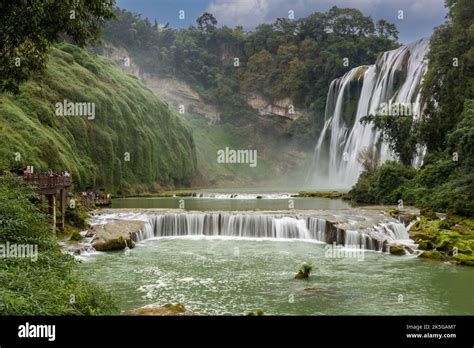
x: 384, y: 186
x: 440, y: 185
x: 49, y: 284
x: 304, y: 271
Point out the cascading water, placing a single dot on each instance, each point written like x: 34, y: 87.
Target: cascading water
x: 234, y: 225
x: 395, y: 79
x: 275, y: 226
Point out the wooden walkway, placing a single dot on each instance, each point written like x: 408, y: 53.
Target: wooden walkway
x: 50, y: 187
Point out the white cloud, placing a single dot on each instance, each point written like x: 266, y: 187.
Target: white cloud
x: 247, y: 13
x: 250, y: 13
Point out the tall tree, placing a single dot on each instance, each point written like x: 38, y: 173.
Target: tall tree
x: 386, y: 29
x: 449, y: 80
x: 206, y: 22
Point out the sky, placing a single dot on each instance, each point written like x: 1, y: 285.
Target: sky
x: 419, y: 16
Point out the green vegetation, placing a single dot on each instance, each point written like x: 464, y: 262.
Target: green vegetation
x: 50, y: 283
x: 294, y: 59
x: 27, y: 32
x: 129, y: 121
x: 448, y: 239
x: 445, y: 182
x: 304, y: 271
x: 441, y: 184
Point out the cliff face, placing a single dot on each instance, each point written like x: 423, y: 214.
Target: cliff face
x: 130, y: 142
x: 282, y: 107
x: 174, y: 92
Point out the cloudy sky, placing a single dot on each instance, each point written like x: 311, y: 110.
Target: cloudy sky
x: 420, y: 16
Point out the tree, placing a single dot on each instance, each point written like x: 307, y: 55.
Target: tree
x: 397, y: 132
x: 386, y: 29
x: 448, y: 81
x: 350, y: 21
x: 28, y: 28
x: 259, y: 69
x: 369, y: 159
x: 206, y: 22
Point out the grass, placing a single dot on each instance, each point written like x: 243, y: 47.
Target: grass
x: 129, y: 119
x: 50, y: 283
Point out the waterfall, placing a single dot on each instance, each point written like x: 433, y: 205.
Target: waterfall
x: 395, y: 81
x: 275, y: 226
x: 352, y: 238
x: 234, y: 225
x: 395, y: 231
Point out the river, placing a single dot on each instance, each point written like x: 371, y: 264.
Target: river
x: 220, y: 275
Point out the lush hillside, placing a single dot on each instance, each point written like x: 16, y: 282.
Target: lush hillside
x: 292, y: 59
x: 133, y: 143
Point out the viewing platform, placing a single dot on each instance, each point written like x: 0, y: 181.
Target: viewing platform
x: 50, y: 186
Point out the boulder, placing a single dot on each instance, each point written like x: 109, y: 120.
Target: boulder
x: 304, y: 272
x: 116, y: 235
x: 396, y: 249
x: 434, y: 255
x: 463, y: 259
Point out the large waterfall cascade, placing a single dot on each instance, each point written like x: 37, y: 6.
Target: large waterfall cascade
x: 395, y: 79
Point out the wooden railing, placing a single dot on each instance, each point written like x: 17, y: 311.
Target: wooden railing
x: 47, y: 182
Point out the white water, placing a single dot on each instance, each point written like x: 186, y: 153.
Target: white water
x: 270, y: 226
x: 395, y: 78
x: 234, y: 225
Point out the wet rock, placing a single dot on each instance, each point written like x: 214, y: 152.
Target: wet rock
x: 301, y: 275
x: 463, y: 259
x: 434, y: 255
x: 426, y: 245
x: 116, y: 235
x: 114, y: 244
x: 304, y: 272
x: 258, y: 313
x: 169, y: 309
x: 396, y: 249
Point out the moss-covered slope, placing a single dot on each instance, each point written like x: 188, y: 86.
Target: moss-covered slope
x: 130, y: 123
